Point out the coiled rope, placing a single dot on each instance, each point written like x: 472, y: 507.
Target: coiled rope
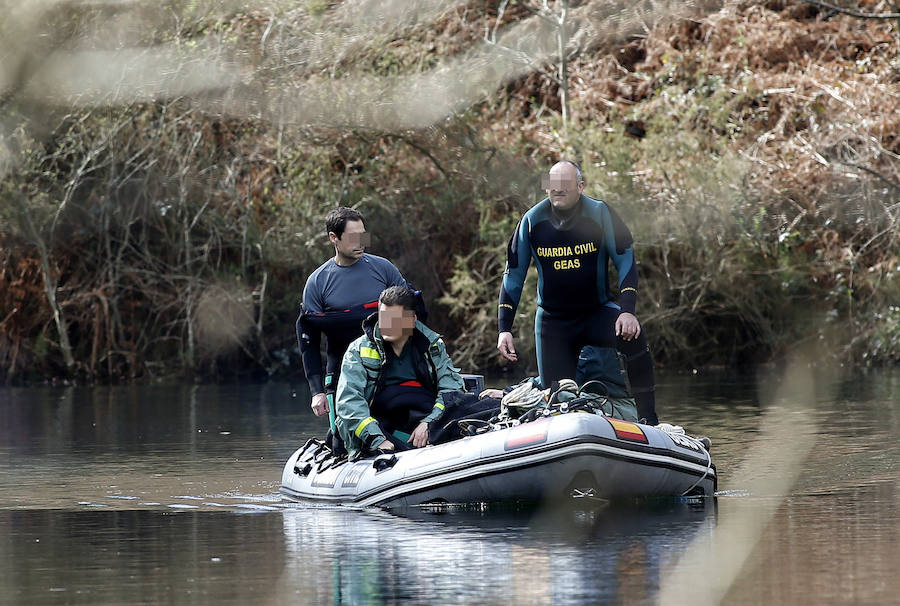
x: 678, y: 430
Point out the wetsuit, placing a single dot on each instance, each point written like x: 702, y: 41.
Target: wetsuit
x: 572, y: 250
x: 336, y: 300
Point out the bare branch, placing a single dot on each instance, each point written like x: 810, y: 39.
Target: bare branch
x: 526, y: 59
x: 501, y: 10
x: 851, y: 12
x: 872, y: 172
x: 544, y: 12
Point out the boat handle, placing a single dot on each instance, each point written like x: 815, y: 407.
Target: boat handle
x: 382, y: 463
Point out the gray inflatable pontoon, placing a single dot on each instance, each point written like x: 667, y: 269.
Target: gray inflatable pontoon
x: 562, y: 456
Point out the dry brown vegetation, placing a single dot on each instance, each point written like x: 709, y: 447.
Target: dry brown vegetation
x: 754, y: 151
x: 753, y: 147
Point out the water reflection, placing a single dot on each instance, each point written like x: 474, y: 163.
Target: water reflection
x: 168, y: 494
x: 559, y: 556
x: 138, y: 557
x: 145, y: 418
x: 139, y: 445
x: 834, y: 547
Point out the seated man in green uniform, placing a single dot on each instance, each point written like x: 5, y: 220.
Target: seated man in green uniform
x: 393, y: 380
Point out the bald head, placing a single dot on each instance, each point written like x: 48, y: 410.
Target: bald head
x: 564, y: 185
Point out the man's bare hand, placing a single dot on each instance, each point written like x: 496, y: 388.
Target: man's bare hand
x: 506, y: 347
x: 627, y: 326
x: 386, y: 445
x: 319, y: 404
x: 419, y: 437
x: 490, y: 393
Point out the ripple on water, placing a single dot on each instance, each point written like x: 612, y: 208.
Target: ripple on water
x: 255, y: 507
x: 733, y: 493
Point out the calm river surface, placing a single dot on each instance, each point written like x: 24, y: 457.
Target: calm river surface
x: 169, y: 495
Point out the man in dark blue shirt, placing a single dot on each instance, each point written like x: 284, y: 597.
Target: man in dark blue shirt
x: 338, y: 296
x: 572, y: 238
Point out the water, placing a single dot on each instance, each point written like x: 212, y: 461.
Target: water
x: 169, y: 494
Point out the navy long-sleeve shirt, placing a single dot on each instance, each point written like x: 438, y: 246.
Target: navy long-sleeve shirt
x: 336, y: 299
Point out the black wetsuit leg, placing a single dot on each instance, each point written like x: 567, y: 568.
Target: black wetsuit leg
x: 557, y: 342
x: 334, y: 353
x: 560, y: 337
x: 639, y: 364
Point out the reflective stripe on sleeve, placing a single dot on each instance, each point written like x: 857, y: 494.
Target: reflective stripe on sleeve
x: 362, y: 425
x: 368, y: 352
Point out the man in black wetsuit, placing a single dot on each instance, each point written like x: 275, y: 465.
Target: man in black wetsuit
x: 572, y: 238
x: 338, y: 296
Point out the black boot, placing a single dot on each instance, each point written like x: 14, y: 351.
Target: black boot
x: 335, y: 443
x: 640, y: 377
x: 646, y: 406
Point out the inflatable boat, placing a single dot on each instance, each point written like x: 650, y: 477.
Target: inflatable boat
x: 563, y: 456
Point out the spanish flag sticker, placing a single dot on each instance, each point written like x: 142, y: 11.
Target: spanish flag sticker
x: 626, y: 430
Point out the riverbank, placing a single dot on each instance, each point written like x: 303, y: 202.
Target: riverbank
x: 751, y: 147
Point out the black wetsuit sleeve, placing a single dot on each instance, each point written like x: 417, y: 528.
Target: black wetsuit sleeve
x: 628, y: 291
x: 518, y: 257
x: 622, y: 255
x: 309, y: 340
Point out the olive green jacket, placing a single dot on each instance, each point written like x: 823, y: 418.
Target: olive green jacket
x: 363, y: 365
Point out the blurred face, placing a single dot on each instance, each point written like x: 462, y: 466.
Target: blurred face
x: 395, y: 322
x: 352, y: 243
x: 562, y: 186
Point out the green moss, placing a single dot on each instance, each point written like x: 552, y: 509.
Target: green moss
x: 317, y: 8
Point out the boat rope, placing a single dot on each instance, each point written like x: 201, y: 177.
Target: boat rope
x: 523, y: 397
x: 527, y: 397
x: 679, y: 431
x: 527, y: 402
x: 564, y: 386
x: 705, y: 473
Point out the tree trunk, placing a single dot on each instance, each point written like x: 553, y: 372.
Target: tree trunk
x: 562, y: 41
x: 50, y: 283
